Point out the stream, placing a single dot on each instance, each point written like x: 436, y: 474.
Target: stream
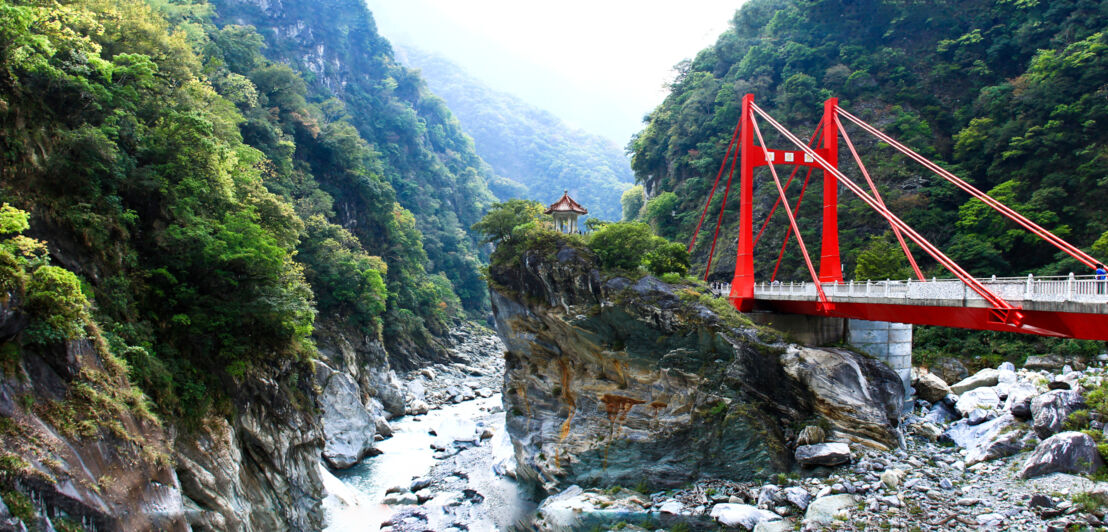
x: 456, y: 449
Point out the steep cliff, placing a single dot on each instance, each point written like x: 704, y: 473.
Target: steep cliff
x: 612, y: 380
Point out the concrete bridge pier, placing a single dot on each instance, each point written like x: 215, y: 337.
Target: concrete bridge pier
x: 886, y: 341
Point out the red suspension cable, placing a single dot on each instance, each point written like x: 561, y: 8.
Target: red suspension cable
x: 1011, y: 313
x: 789, y: 212
x: 877, y: 196
x: 789, y: 232
x: 1072, y: 250
x: 722, y: 165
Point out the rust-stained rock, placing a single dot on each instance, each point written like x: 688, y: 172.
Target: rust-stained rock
x: 611, y: 380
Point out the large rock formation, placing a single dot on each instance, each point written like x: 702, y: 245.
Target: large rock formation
x: 612, y: 380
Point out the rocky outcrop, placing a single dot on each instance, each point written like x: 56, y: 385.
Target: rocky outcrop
x: 611, y: 380
x: 257, y: 470
x: 1050, y: 410
x: 1067, y: 452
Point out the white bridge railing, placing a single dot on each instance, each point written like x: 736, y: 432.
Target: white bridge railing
x: 1078, y: 288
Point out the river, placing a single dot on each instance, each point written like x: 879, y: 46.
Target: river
x: 466, y: 490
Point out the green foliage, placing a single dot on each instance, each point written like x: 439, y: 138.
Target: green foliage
x: 632, y: 202
x: 671, y: 258
x: 660, y: 212
x: 1008, y: 95
x: 388, y: 139
x: 503, y: 218
x: 55, y: 300
x: 13, y: 220
x: 20, y: 506
x: 880, y: 259
x: 623, y: 245
x: 1028, y: 132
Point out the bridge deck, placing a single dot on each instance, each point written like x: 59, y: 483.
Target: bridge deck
x: 1071, y: 307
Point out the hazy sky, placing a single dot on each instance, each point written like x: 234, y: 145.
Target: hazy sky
x: 598, y: 64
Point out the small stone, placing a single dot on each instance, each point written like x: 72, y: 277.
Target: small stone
x: 827, y: 454
x: 423, y: 495
x: 946, y: 484
x: 671, y: 507
x: 743, y: 515
x: 419, y: 484
x: 891, y: 478
x: 811, y: 435
x: 968, y: 502
x: 989, y: 518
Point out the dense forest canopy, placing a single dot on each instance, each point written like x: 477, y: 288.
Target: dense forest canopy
x: 422, y: 152
x: 1011, y: 95
x: 534, y: 154
x: 214, y: 204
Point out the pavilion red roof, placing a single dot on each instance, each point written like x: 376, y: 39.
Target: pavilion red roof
x: 566, y: 204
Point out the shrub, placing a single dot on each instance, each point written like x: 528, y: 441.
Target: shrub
x: 55, y: 300
x: 623, y: 245
x: 667, y: 258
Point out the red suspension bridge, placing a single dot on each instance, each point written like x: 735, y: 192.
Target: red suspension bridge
x: 1070, y: 307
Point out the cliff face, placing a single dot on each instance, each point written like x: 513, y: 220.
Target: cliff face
x: 611, y: 380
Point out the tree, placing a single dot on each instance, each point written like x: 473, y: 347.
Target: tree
x: 503, y: 217
x: 667, y: 258
x: 881, y: 259
x: 660, y: 211
x: 623, y: 244
x: 632, y: 201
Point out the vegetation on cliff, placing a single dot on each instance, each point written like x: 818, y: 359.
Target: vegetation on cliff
x: 414, y: 143
x: 212, y: 202
x: 1006, y: 94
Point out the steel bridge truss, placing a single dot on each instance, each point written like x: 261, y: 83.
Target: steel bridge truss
x: 986, y: 309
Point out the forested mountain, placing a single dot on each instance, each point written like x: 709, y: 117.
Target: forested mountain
x: 1008, y: 94
x: 418, y: 145
x: 534, y: 154
x: 213, y: 213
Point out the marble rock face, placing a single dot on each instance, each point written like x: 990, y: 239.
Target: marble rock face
x: 610, y: 380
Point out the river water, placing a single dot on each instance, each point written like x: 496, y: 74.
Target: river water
x: 466, y: 490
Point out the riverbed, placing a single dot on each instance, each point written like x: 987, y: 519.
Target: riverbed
x: 458, y: 449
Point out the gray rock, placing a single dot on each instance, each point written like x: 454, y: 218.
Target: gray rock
x: 822, y: 510
x: 348, y: 429
x: 811, y: 435
x: 768, y: 496
x: 949, y: 369
x: 989, y: 518
x: 929, y: 386
x: 1019, y: 399
x: 891, y: 478
x: 1002, y: 438
x: 781, y: 525
x: 945, y: 484
x: 940, y: 414
x: 985, y: 377
x: 1048, y: 362
x: 419, y: 484
x: 418, y: 407
x: 798, y: 496
x: 979, y: 416
x: 382, y: 426
x: 743, y: 515
x: 979, y: 397
x: 1050, y: 410
x: 825, y: 454
x: 1006, y: 366
x: 1068, y: 452
x: 671, y: 507
x: 401, y: 499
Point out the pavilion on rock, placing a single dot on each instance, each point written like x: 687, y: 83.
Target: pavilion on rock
x: 565, y: 212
